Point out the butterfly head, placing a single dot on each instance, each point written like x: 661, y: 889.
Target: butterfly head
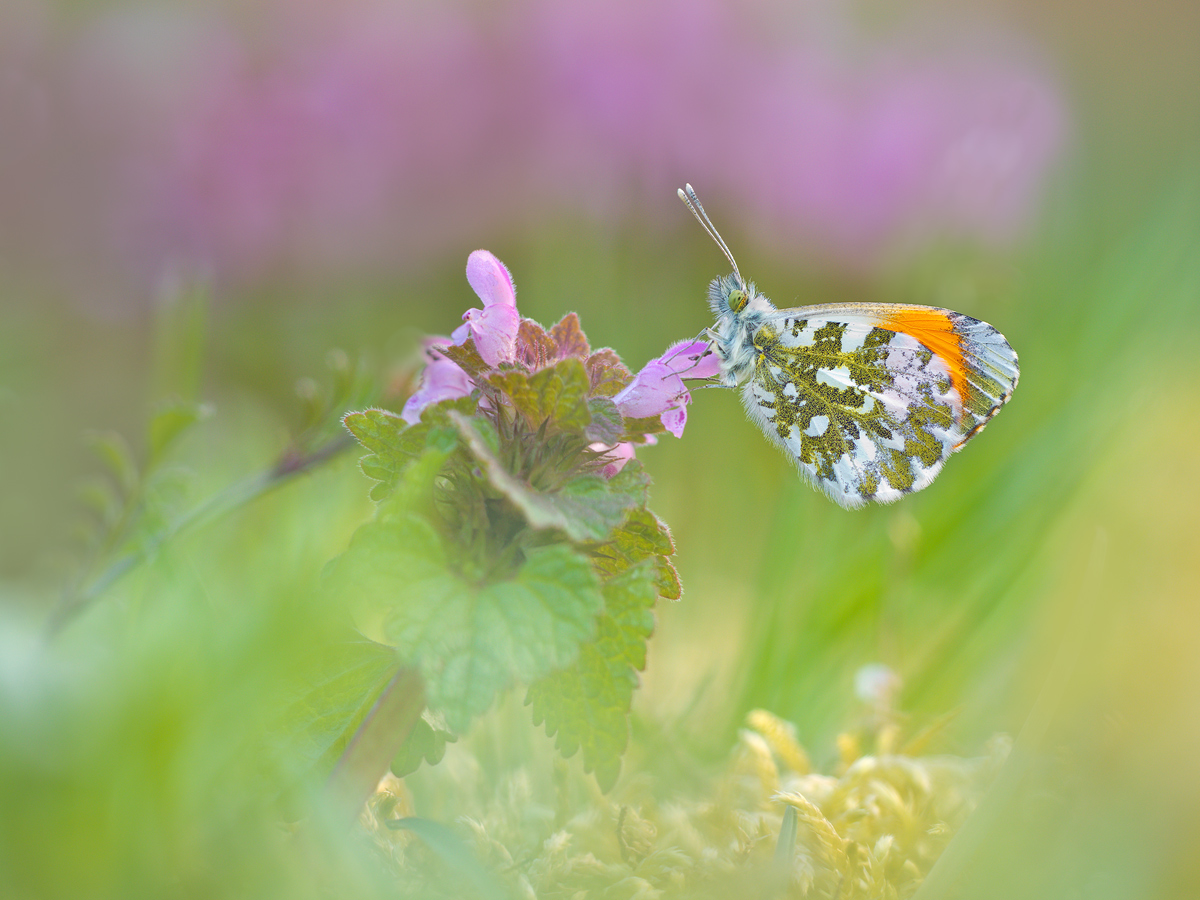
x: 729, y: 295
x: 737, y: 300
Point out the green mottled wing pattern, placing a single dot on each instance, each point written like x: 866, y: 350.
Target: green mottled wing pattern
x: 870, y: 400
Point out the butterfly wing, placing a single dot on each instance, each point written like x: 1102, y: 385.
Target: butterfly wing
x: 870, y: 399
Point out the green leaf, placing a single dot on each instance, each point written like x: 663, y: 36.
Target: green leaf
x: 557, y: 394
x: 394, y: 444
x: 114, y: 452
x: 607, y: 374
x: 632, y: 480
x: 637, y: 429
x: 392, y: 448
x: 667, y: 580
x: 426, y: 743
x: 586, y: 508
x: 641, y: 536
x: 467, y: 357
x: 346, y: 680
x: 606, y: 426
x: 168, y: 423
x: 469, y: 641
x: 587, y: 705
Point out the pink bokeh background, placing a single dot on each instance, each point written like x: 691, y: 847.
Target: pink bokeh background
x: 302, y: 138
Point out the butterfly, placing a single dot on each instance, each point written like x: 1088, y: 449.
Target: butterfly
x: 868, y: 399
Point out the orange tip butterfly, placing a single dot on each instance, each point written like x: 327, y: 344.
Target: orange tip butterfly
x: 868, y: 399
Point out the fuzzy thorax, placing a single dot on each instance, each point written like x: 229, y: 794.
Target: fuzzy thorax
x: 740, y: 311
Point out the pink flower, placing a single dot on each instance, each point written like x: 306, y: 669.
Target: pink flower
x: 616, y: 455
x: 441, y: 379
x: 658, y: 389
x: 494, y: 327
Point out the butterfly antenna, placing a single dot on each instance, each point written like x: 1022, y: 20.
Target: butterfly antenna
x: 688, y: 195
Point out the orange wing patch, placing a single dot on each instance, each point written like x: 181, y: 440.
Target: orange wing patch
x: 935, y: 329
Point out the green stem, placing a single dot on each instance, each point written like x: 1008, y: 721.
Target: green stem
x: 376, y: 742
x: 291, y: 464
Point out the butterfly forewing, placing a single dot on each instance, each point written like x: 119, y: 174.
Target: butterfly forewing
x: 870, y: 399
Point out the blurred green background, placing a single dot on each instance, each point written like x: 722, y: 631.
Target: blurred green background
x: 323, y: 174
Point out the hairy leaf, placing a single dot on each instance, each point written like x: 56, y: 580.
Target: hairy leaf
x: 535, y: 348
x: 569, y: 337
x: 557, y: 394
x: 468, y: 640
x: 606, y: 425
x: 391, y: 442
x: 607, y: 373
x: 586, y: 509
x: 394, y: 444
x: 587, y: 705
x: 667, y: 580
x: 641, y: 536
x: 466, y: 356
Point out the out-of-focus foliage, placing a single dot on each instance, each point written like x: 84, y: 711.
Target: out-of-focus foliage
x: 872, y: 827
x: 1044, y: 586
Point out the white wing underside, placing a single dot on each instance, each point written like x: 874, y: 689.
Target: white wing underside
x: 918, y: 377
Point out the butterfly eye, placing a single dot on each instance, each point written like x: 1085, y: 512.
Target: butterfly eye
x: 737, y: 300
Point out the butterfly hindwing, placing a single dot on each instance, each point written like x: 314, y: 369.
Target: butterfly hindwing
x: 870, y: 399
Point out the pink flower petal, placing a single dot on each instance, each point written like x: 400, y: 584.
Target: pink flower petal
x: 617, y: 454
x: 490, y: 279
x: 441, y: 379
x: 674, y: 419
x: 494, y: 327
x: 658, y: 389
x: 693, y: 359
x: 654, y: 389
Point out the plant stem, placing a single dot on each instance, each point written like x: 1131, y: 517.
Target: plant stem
x: 289, y: 465
x: 376, y: 742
